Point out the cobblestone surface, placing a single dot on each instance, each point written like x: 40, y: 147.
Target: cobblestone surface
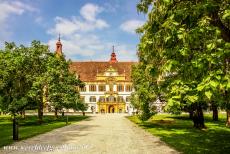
x: 100, y: 134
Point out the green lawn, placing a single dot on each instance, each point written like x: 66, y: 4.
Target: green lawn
x: 29, y: 127
x: 178, y: 132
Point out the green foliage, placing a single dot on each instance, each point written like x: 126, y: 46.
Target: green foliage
x: 176, y: 131
x: 143, y: 96
x: 82, y: 106
x: 33, y: 75
x: 184, y: 53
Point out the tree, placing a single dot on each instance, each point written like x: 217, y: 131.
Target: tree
x: 14, y: 81
x: 82, y: 106
x: 186, y: 45
x: 144, y: 94
x: 38, y: 61
x: 62, y: 84
x: 30, y: 75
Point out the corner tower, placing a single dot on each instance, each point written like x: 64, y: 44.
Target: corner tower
x: 113, y: 58
x: 59, y: 47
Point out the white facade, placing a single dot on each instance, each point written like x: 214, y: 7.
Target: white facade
x: 93, y: 105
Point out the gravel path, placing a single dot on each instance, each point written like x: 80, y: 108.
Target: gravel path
x: 100, y: 134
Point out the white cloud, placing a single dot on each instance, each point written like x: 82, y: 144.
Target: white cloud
x: 86, y: 45
x: 91, y: 47
x: 9, y: 8
x: 80, y: 40
x: 89, y: 11
x: 87, y: 22
x: 131, y: 25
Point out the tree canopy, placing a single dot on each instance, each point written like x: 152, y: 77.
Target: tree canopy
x: 32, y: 76
x: 184, y: 52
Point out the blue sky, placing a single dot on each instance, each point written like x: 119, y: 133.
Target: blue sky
x: 88, y: 28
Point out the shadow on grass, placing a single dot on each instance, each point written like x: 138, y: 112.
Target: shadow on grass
x: 29, y: 126
x: 180, y: 134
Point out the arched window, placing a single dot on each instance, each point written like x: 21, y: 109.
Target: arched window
x: 111, y: 99
x: 102, y: 99
x: 92, y: 87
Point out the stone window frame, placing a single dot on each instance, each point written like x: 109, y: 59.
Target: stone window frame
x: 92, y: 99
x: 128, y: 88
x: 127, y: 99
x: 101, y: 86
x: 82, y: 89
x: 120, y: 87
x: 82, y: 98
x: 92, y: 87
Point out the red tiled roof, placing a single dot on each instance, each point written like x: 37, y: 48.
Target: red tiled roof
x: 88, y: 70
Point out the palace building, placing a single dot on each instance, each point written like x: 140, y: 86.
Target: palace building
x: 108, y: 84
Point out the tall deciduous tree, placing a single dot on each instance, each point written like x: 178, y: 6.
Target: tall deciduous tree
x: 185, y: 45
x: 14, y: 81
x: 38, y: 59
x: 62, y: 83
x: 34, y: 74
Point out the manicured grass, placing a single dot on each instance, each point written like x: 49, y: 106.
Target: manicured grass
x: 178, y: 132
x: 29, y: 126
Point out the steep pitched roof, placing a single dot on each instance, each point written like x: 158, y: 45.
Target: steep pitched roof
x: 88, y: 70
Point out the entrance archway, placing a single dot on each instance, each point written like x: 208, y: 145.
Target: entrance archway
x: 111, y: 109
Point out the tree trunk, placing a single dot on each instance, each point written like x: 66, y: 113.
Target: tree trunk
x: 228, y: 118
x: 198, y: 117
x: 15, y: 129
x: 40, y: 112
x: 83, y: 113
x: 56, y: 113
x: 190, y: 114
x: 214, y: 112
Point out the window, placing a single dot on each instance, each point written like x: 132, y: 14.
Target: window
x: 111, y: 99
x: 92, y: 99
x: 83, y: 89
x: 101, y: 87
x: 120, y: 99
x: 82, y: 98
x: 92, y: 87
x: 128, y: 88
x: 128, y: 99
x: 102, y: 99
x: 120, y: 87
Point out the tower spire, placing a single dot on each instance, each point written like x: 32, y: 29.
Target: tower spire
x: 113, y: 58
x: 59, y: 46
x: 113, y: 49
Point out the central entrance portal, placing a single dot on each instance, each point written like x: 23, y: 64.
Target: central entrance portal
x: 111, y: 109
